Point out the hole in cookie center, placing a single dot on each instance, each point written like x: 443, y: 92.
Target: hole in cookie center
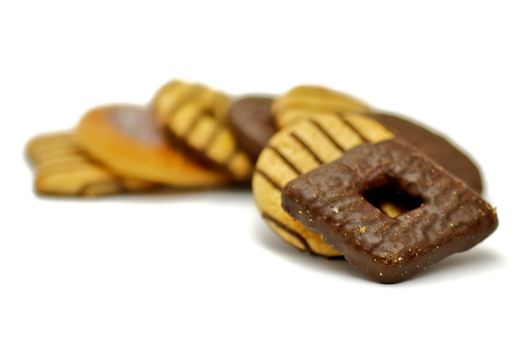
x: 390, y: 198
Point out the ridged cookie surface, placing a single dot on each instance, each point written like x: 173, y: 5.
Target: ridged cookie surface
x: 195, y: 116
x: 297, y: 149
x: 129, y: 140
x: 63, y: 168
x: 306, y: 100
x: 175, y: 94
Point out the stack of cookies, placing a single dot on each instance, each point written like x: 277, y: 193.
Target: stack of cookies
x: 331, y: 175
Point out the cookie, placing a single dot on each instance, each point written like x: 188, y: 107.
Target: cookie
x: 295, y: 150
x: 435, y: 146
x: 304, y: 101
x: 196, y: 120
x: 63, y: 168
x: 444, y: 215
x: 252, y: 123
x: 129, y: 141
x: 175, y: 94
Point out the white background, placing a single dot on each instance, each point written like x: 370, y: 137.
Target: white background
x: 201, y: 270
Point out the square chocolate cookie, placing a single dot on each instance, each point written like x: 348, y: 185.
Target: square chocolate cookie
x: 346, y: 200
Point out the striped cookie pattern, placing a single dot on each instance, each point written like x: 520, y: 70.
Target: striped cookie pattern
x: 305, y: 101
x: 175, y: 94
x: 196, y: 117
x: 62, y: 168
x: 297, y: 149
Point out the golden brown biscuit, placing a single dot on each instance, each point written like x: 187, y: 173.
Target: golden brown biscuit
x: 130, y: 141
x: 63, y: 168
x: 196, y: 118
x: 175, y: 94
x: 305, y: 101
x: 297, y: 149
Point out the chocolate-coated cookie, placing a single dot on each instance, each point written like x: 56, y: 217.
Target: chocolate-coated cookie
x: 443, y: 215
x: 428, y: 142
x: 252, y: 123
x: 435, y: 146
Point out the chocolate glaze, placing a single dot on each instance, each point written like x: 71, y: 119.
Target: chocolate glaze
x: 435, y: 146
x: 252, y: 123
x: 329, y: 200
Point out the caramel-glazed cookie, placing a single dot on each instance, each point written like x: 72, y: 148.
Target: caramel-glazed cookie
x: 305, y: 101
x: 195, y: 117
x: 129, y: 141
x: 63, y: 168
x: 297, y: 149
